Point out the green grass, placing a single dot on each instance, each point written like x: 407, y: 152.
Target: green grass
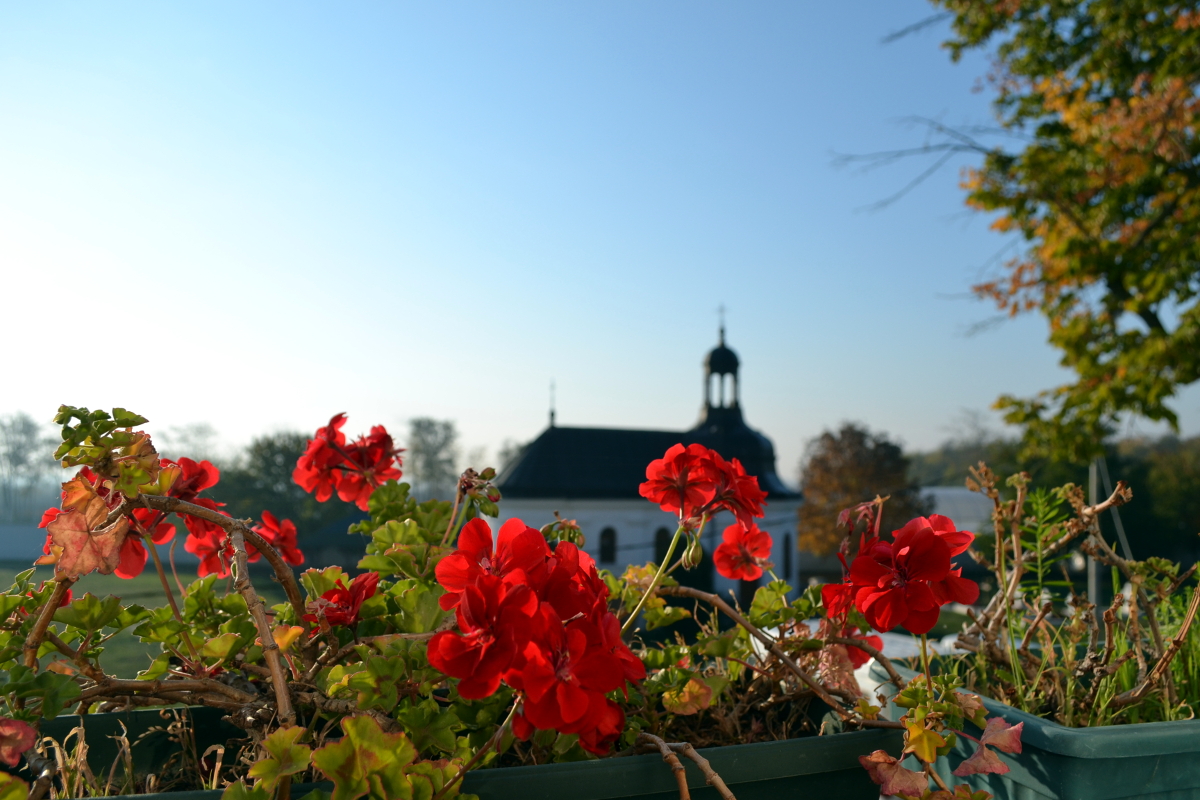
x: 125, y: 655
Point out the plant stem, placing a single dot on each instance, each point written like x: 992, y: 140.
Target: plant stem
x: 491, y: 743
x: 925, y: 661
x: 629, y: 623
x: 283, y: 699
x: 808, y: 680
x: 61, y: 587
x: 458, y: 495
x: 162, y: 577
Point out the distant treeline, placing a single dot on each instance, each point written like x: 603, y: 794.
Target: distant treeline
x: 1164, y: 517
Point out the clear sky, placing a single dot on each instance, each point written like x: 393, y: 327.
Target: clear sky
x: 258, y: 215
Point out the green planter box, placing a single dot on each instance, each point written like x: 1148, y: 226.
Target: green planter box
x: 1159, y: 760
x: 816, y: 766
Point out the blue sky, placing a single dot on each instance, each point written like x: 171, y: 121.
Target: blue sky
x: 259, y: 215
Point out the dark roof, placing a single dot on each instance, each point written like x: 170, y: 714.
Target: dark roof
x: 610, y: 463
x: 721, y: 361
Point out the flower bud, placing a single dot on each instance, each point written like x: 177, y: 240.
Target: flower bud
x: 693, y: 554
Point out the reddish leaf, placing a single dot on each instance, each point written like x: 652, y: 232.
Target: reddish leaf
x: 1002, y: 736
x: 983, y: 761
x: 84, y: 550
x: 892, y: 778
x: 15, y: 738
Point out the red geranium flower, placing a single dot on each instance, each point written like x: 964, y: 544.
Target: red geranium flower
x: 564, y: 668
x: 573, y: 586
x: 341, y: 604
x: 681, y: 481
x: 352, y: 469
x: 742, y: 552
x: 518, y: 548
x: 892, y: 580
x: 838, y: 599
x: 609, y: 629
x: 954, y: 588
x: 858, y: 657
x: 496, y: 620
x: 736, y: 491
x: 282, y: 535
x: 215, y: 552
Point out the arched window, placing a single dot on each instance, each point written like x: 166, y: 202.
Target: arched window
x: 787, y: 556
x: 662, y: 542
x: 608, y: 546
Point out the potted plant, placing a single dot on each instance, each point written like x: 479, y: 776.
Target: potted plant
x: 457, y: 659
x: 1103, y: 698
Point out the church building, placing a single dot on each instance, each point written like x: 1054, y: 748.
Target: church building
x: 592, y: 475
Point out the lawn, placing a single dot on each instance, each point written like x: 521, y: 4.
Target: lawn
x: 125, y: 654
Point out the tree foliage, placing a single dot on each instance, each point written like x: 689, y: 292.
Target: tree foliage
x: 1164, y: 517
x: 261, y: 479
x: 1106, y: 194
x: 848, y: 467
x: 430, y: 462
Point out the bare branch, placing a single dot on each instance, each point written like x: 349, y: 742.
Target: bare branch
x: 920, y: 25
x: 768, y: 642
x: 649, y: 740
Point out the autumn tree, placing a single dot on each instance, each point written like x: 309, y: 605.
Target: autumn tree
x: 1104, y: 191
x: 848, y: 467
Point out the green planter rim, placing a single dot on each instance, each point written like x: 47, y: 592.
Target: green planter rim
x: 1107, y: 741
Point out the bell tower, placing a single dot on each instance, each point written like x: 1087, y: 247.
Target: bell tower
x: 721, y: 377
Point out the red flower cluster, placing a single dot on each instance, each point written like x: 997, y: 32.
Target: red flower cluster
x: 906, y: 581
x: 537, y: 620
x: 693, y: 481
x: 185, y: 479
x: 352, y: 469
x: 342, y: 604
x: 281, y: 534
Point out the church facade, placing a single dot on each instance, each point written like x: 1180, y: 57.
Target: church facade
x: 592, y: 475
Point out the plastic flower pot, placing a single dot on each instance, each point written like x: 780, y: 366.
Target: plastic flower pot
x: 1147, y: 760
x: 815, y: 766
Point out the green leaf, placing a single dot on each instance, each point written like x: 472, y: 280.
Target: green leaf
x: 12, y: 787
x: 89, y: 612
x: 239, y: 791
x: 319, y: 581
x: 127, y: 419
x: 159, y: 626
x: 158, y: 667
x: 221, y: 647
x: 430, y: 727
x: 376, y: 685
x: 417, y: 604
x: 770, y: 608
x: 367, y: 761
x: 667, y: 615
x: 286, y: 757
x: 129, y: 615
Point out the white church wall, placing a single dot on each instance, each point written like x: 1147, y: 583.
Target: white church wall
x: 637, y: 521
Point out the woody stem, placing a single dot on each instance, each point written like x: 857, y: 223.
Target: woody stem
x: 629, y: 623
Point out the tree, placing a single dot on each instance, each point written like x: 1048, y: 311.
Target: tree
x: 430, y: 462
x: 25, y: 468
x: 1105, y: 192
x: 843, y: 469
x: 260, y: 479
